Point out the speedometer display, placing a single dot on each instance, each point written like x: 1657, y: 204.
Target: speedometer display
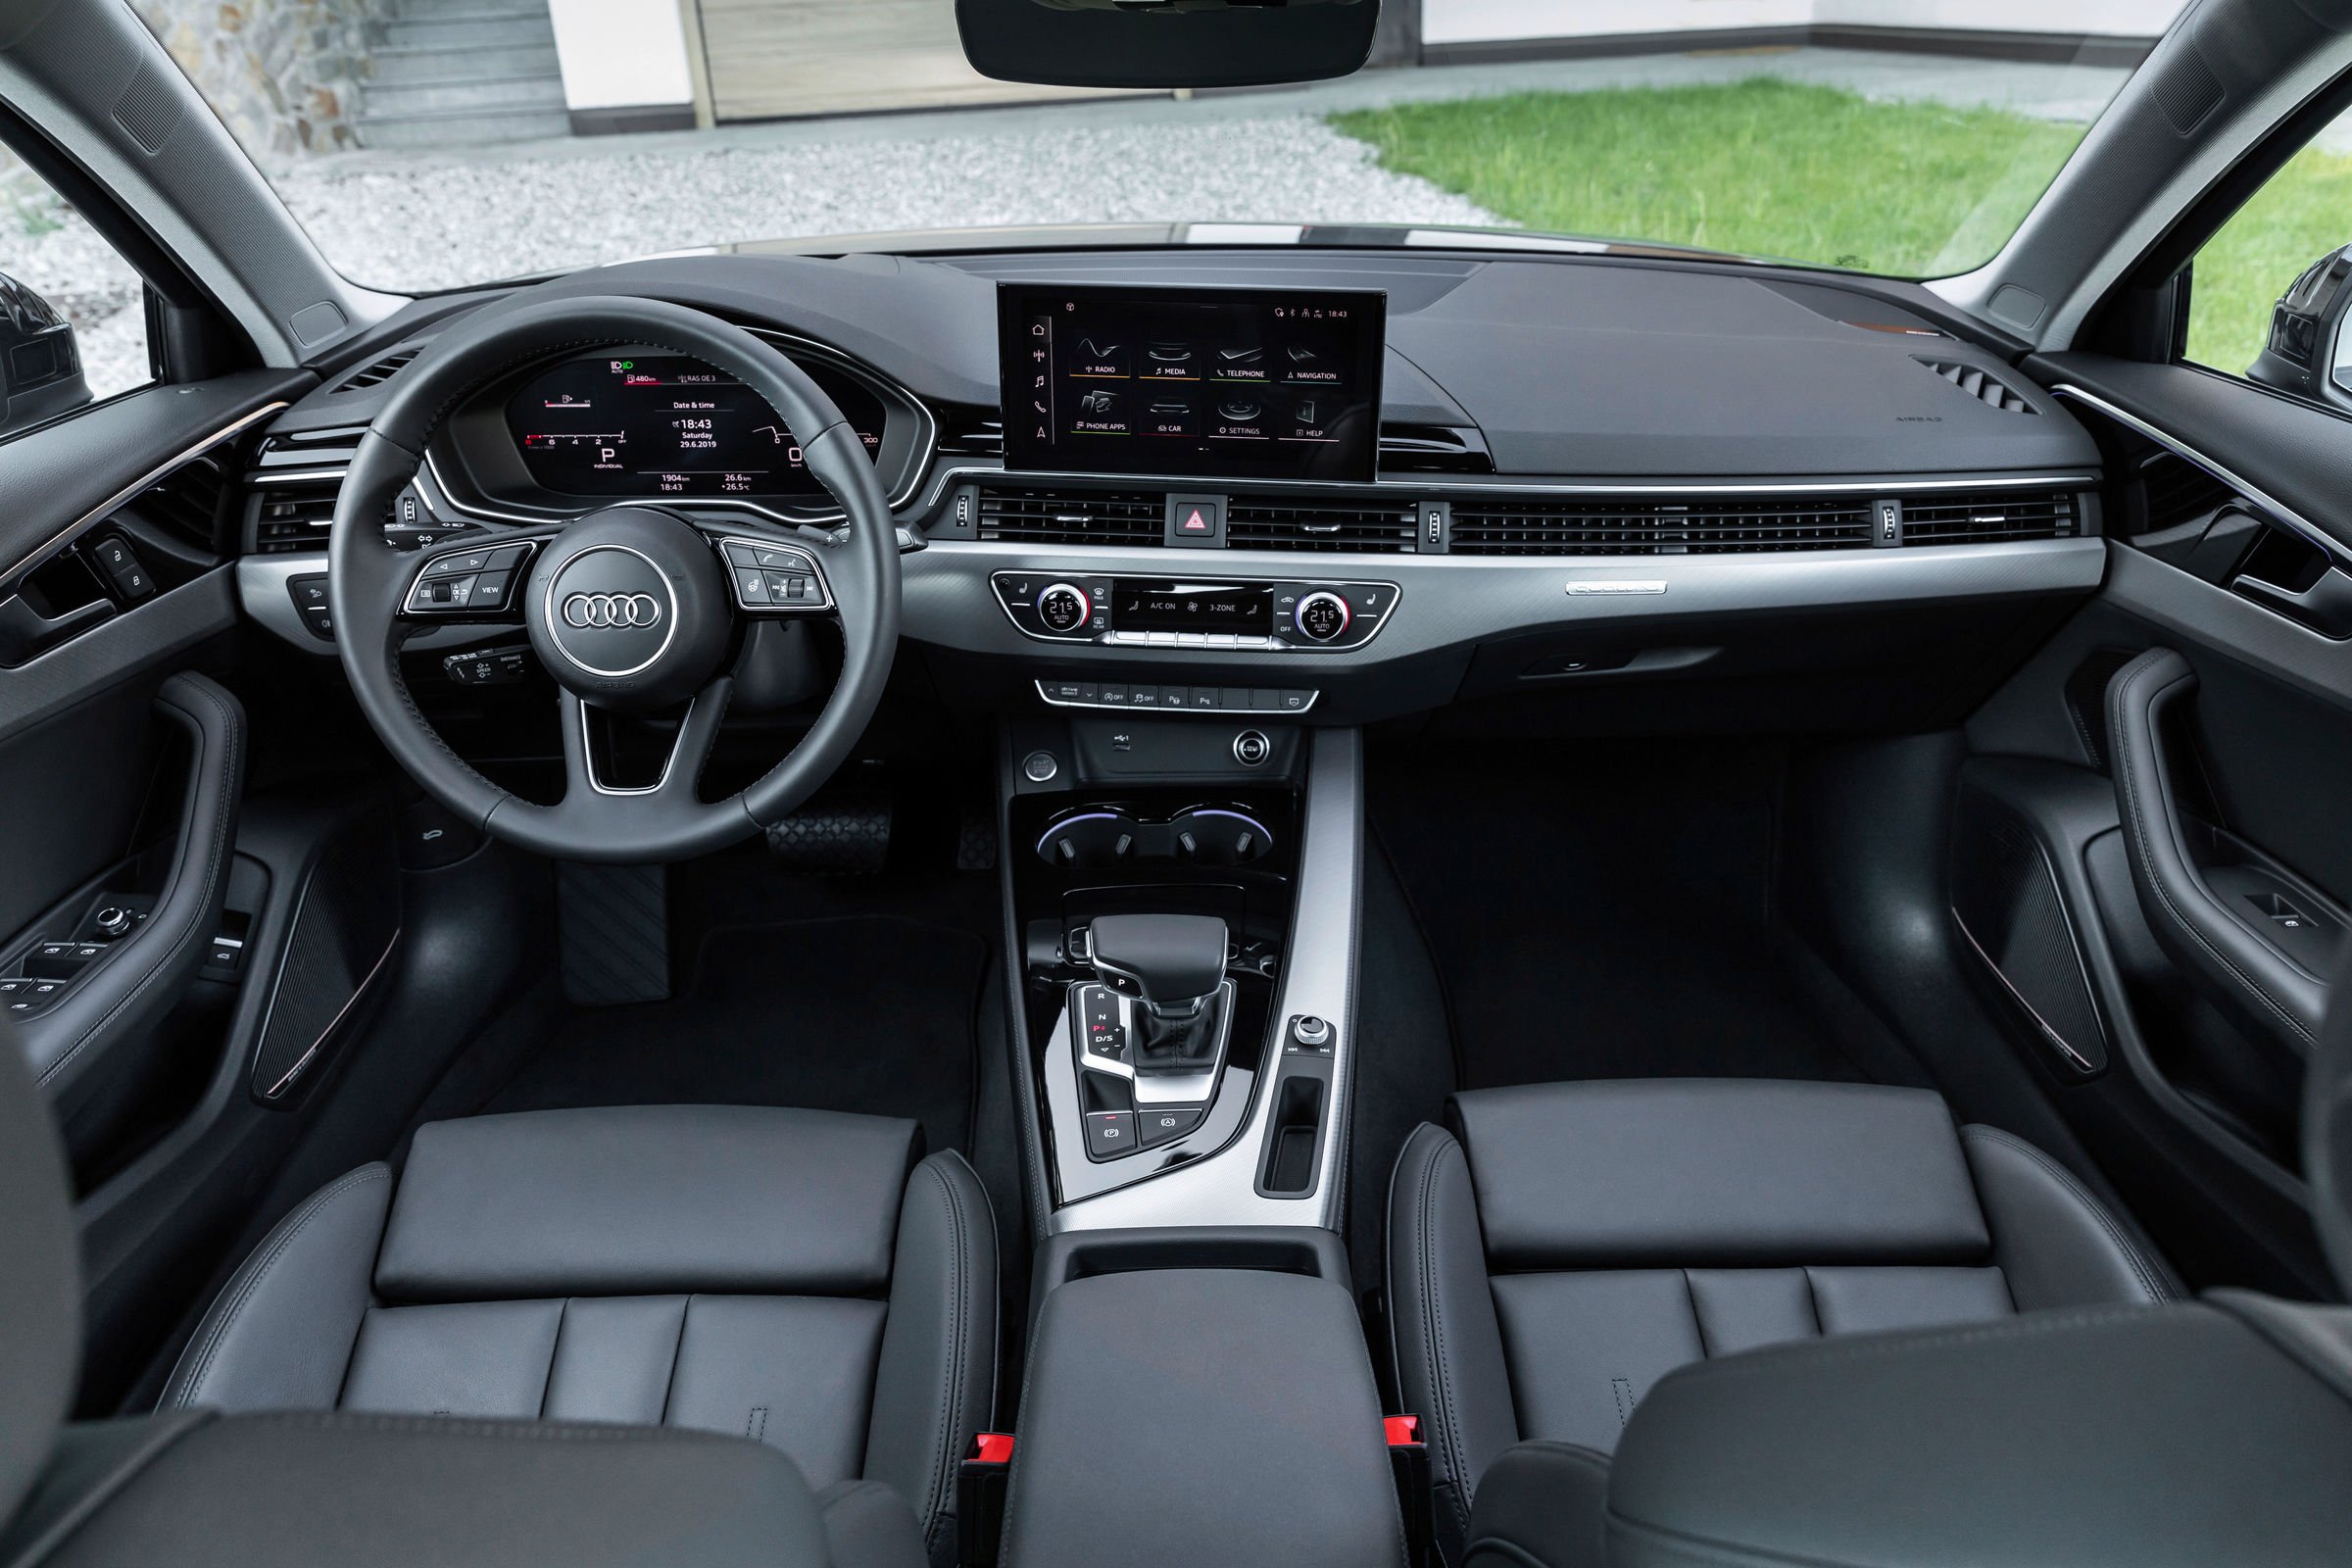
x: 669, y: 426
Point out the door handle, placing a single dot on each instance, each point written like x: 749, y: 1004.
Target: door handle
x: 25, y: 633
x: 2219, y: 947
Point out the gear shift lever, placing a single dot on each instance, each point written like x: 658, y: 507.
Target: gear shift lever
x: 1174, y: 964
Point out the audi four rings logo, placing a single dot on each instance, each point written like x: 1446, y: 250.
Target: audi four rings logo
x: 611, y: 609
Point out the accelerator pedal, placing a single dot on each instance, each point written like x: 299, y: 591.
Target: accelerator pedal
x: 613, y: 926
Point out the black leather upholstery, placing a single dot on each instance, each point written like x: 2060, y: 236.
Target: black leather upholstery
x: 379, y: 1491
x: 2097, y: 1438
x: 1572, y: 1243
x: 793, y: 1277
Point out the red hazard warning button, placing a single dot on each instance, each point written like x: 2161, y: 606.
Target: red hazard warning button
x: 1197, y: 520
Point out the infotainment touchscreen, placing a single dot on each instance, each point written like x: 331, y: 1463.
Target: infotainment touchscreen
x: 1208, y: 383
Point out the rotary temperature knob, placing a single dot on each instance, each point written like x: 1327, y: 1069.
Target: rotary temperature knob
x: 1064, y: 608
x: 1322, y: 616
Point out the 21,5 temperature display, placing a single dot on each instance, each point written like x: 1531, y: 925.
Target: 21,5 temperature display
x: 665, y: 425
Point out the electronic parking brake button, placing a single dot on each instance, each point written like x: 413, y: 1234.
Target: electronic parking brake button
x: 1109, y: 1134
x: 1165, y: 1125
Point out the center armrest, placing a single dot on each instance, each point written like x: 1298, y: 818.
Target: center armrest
x: 1201, y: 1416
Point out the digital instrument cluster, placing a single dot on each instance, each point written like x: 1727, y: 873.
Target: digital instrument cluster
x: 1214, y: 382
x: 646, y: 426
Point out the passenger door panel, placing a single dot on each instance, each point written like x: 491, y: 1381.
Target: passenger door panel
x: 2177, y: 753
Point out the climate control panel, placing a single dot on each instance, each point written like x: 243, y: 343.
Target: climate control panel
x: 1217, y: 614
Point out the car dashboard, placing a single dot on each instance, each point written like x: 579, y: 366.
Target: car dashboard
x: 1531, y: 490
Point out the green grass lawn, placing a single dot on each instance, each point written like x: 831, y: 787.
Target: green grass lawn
x: 1780, y: 169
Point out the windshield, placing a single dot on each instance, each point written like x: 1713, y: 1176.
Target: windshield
x: 431, y: 144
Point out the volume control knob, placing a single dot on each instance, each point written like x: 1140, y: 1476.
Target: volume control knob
x: 1322, y: 616
x: 1064, y: 608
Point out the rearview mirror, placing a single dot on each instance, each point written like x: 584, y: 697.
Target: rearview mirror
x: 1166, y: 43
x: 40, y: 367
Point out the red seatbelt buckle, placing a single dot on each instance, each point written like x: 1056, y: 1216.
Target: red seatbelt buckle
x: 1408, y: 1462
x: 980, y: 1483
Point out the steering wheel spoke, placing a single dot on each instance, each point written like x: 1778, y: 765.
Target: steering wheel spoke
x: 589, y: 775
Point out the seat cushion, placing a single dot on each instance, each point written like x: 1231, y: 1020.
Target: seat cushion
x: 374, y: 1491
x: 1572, y: 1243
x: 778, y: 1275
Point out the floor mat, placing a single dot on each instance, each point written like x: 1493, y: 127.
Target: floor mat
x: 864, y: 1013
x: 1605, y: 913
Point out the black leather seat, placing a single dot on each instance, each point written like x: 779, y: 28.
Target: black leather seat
x: 1564, y: 1246
x: 195, y: 1488
x: 798, y: 1278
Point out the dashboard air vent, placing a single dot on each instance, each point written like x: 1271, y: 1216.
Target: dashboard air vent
x: 308, y: 449
x: 293, y: 517
x: 1990, y: 517
x: 1981, y: 384
x: 1433, y: 449
x: 2176, y: 491
x: 971, y: 433
x: 1630, y: 527
x: 187, y: 501
x: 1074, y: 516
x: 1365, y: 527
x: 380, y: 372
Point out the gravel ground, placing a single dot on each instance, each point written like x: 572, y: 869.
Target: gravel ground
x: 439, y: 223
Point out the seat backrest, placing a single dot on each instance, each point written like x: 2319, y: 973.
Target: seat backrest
x: 40, y: 1290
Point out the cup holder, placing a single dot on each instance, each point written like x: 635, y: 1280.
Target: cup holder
x: 1094, y: 837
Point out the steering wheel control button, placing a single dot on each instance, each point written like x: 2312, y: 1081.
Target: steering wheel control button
x: 458, y: 565
x: 1040, y: 768
x: 1322, y: 616
x: 774, y: 577
x: 1250, y: 748
x: 1064, y: 609
x: 1109, y: 1134
x: 1160, y: 1126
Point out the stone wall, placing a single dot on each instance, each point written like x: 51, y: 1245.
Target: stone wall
x: 283, y: 74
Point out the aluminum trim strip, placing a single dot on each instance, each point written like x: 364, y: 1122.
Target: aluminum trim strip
x: 106, y: 509
x: 2275, y: 510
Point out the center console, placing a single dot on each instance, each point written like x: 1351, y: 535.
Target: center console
x: 1187, y: 922
x: 1182, y: 867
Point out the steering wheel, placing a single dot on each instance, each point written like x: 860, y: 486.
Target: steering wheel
x: 633, y: 609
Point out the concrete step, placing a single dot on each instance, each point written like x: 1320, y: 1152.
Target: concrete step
x: 474, y: 30
x: 494, y: 94
x: 462, y: 129
x: 401, y: 67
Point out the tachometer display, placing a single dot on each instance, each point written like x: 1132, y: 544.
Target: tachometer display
x: 669, y: 426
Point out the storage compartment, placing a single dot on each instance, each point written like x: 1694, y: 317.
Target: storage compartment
x: 1199, y: 1396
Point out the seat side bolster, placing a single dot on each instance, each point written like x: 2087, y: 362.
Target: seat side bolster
x: 279, y: 1335
x: 936, y: 1383
x: 1446, y: 1340
x: 2055, y: 1241
x: 1541, y: 1504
